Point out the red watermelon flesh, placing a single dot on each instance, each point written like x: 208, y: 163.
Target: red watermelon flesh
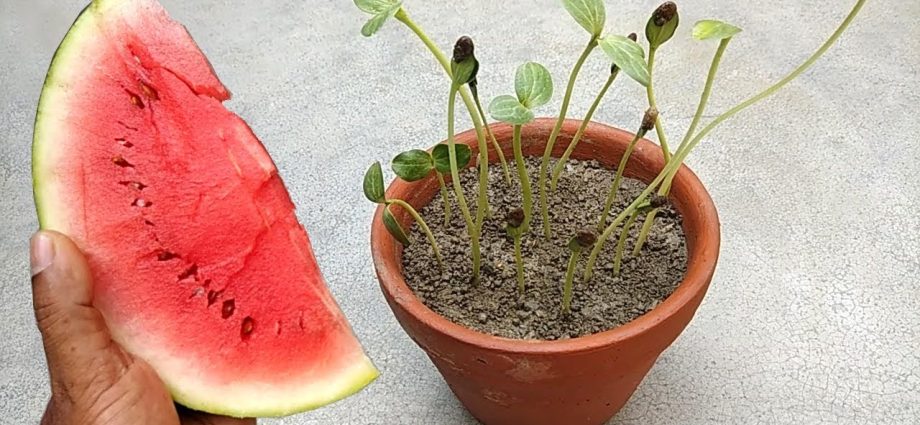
x: 200, y: 265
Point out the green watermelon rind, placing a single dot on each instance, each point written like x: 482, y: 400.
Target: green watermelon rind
x: 357, y: 377
x: 38, y: 180
x: 354, y: 382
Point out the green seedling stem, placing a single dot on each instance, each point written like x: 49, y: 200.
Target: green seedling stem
x: 655, y: 203
x: 648, y: 122
x: 519, y: 262
x: 514, y: 227
x: 700, y: 109
x: 526, y: 192
x: 560, y: 164
x: 424, y: 226
x: 650, y: 91
x: 485, y: 122
x: 483, y: 201
x: 569, y: 284
x: 621, y: 243
x: 445, y: 197
x: 472, y: 227
x: 704, y: 97
x: 615, y: 187
x: 582, y: 240
x: 646, y: 228
x: 547, y: 152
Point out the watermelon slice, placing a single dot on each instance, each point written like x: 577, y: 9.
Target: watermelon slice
x: 200, y: 264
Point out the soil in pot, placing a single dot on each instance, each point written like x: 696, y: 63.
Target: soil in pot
x: 495, y: 306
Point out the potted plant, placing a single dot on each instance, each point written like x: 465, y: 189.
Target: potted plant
x: 548, y: 301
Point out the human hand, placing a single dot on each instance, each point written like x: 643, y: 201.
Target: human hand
x: 94, y: 381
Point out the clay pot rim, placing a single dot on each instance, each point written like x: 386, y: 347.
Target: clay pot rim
x: 699, y: 272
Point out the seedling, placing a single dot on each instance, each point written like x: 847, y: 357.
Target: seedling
x: 514, y: 226
x: 703, y: 30
x: 582, y: 240
x: 560, y: 164
x: 416, y: 164
x: 591, y: 15
x: 626, y: 54
x: 375, y: 192
x: 533, y: 86
x: 464, y: 67
x: 659, y: 29
x: 648, y: 123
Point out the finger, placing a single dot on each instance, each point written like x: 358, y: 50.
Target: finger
x: 192, y: 417
x: 74, y: 333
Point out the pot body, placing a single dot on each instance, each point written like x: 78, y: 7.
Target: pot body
x: 577, y: 381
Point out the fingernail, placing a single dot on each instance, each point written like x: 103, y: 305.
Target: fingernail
x: 41, y: 254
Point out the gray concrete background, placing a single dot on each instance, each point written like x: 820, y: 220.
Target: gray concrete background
x: 812, y: 317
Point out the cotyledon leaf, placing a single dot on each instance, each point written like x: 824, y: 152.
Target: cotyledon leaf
x: 533, y: 85
x: 394, y: 227
x: 507, y: 108
x: 382, y: 10
x: 713, y: 29
x: 412, y: 165
x: 373, y: 184
x: 590, y: 14
x: 441, y: 156
x: 627, y: 55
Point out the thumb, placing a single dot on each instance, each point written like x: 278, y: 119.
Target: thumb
x: 74, y: 334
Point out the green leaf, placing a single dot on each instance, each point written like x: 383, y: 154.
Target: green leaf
x: 465, y: 71
x: 412, y: 165
x: 626, y: 55
x: 441, y: 156
x: 709, y: 29
x: 381, y: 9
x: 393, y: 226
x: 590, y: 14
x: 658, y: 35
x: 507, y: 108
x: 376, y: 7
x: 533, y: 84
x: 373, y: 25
x: 373, y: 184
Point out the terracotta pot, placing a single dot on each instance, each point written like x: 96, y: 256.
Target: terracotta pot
x: 570, y: 382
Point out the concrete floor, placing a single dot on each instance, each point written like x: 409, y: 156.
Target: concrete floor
x: 812, y: 317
